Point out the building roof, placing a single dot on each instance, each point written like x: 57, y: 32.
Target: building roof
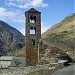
x: 33, y: 10
x: 2, y: 58
x: 9, y: 58
x: 62, y: 61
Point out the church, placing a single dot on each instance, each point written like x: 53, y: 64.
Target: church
x: 32, y: 35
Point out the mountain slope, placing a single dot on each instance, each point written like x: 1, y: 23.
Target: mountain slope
x: 61, y: 35
x: 10, y: 39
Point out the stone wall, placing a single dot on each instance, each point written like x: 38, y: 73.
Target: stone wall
x: 24, y: 70
x: 31, y: 40
x: 6, y: 61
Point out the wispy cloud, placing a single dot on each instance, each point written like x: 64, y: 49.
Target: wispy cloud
x: 26, y: 3
x: 14, y: 16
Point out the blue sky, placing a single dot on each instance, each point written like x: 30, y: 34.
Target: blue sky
x: 52, y: 11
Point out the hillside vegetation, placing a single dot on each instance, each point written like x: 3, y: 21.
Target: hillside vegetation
x: 61, y: 35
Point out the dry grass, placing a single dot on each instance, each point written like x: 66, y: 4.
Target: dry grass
x: 61, y: 35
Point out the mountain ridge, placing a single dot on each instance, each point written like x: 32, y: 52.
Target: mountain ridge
x: 62, y: 34
x: 10, y: 38
x: 64, y: 20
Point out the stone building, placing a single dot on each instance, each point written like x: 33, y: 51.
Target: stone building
x: 7, y: 61
x: 32, y: 35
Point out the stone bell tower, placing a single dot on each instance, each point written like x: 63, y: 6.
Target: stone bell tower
x: 32, y: 35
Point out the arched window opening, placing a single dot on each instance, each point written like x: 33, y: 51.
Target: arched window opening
x: 32, y: 19
x: 32, y: 30
x: 33, y: 42
x: 35, y: 19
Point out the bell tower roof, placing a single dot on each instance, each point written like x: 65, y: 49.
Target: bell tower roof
x: 32, y: 10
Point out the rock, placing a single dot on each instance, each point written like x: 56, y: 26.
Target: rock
x: 10, y: 39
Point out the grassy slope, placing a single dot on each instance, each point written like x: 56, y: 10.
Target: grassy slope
x: 61, y: 35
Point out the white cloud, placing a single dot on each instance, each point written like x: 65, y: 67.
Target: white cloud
x: 26, y: 3
x: 38, y: 3
x: 2, y: 11
x: 14, y: 16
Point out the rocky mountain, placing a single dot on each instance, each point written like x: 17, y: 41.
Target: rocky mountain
x: 10, y: 39
x: 61, y: 35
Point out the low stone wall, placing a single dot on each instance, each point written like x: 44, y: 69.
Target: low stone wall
x: 24, y: 70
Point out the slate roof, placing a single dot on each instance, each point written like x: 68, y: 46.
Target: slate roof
x: 33, y: 10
